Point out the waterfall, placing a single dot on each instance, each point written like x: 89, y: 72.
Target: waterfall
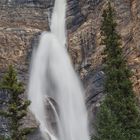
x: 52, y: 76
x: 58, y: 21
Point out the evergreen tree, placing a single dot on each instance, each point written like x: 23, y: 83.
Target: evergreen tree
x: 16, y: 106
x: 118, y: 116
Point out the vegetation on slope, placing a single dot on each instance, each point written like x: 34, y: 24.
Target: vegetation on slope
x: 16, y: 105
x: 119, y: 116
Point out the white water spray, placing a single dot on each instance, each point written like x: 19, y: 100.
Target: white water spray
x: 52, y: 75
x: 58, y: 21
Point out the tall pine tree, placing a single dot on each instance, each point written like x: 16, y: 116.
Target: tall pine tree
x: 16, y: 105
x: 119, y: 116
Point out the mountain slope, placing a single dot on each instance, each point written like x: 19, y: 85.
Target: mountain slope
x: 21, y: 22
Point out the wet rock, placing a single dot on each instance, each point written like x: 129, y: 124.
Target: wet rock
x: 36, y: 135
x: 94, y: 89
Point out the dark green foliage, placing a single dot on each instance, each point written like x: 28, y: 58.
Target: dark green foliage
x: 2, y: 138
x: 119, y: 116
x: 17, y: 106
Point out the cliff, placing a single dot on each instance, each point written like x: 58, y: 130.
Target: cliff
x: 21, y: 22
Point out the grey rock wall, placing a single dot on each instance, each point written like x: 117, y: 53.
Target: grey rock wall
x: 22, y: 20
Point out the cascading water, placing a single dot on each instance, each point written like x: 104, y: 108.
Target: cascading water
x: 52, y: 75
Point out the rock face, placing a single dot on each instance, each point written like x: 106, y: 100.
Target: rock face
x: 21, y: 21
x: 93, y: 83
x: 4, y: 96
x: 128, y: 19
